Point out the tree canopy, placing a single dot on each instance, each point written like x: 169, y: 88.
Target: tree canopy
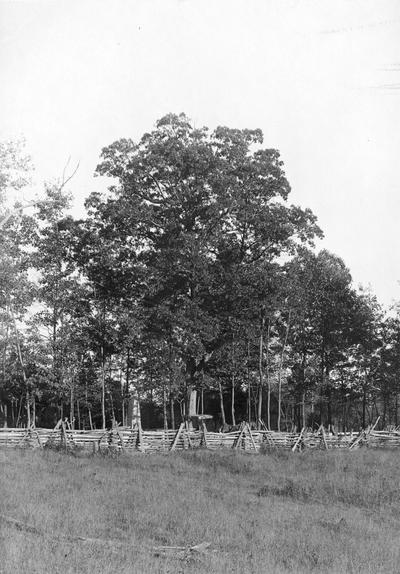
x: 192, y: 278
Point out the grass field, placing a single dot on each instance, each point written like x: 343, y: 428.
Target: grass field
x: 312, y: 512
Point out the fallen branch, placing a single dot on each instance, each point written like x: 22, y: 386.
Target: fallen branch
x: 24, y: 527
x: 19, y: 525
x: 182, y: 551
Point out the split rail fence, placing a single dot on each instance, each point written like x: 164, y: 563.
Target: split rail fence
x: 123, y: 439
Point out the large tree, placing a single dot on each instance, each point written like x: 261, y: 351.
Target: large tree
x: 333, y: 326
x: 195, y: 223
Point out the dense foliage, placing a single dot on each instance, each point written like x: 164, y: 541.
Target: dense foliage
x: 191, y: 279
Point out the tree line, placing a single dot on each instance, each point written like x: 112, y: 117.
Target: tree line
x: 191, y: 276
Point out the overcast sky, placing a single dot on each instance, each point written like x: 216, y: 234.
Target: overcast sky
x: 321, y: 78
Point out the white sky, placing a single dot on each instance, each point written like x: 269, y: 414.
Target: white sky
x: 321, y: 78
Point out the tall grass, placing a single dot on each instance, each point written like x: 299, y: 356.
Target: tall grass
x: 327, y: 512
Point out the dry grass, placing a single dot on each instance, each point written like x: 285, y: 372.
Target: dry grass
x: 330, y: 512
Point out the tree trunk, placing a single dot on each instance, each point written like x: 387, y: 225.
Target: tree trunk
x: 312, y: 409
x: 71, y: 407
x: 172, y: 412
x: 302, y: 389
x: 171, y: 385
x: 27, y: 394
x: 165, y: 408
x: 221, y: 403
x: 90, y: 418
x: 280, y: 371
x: 260, y: 366
x: 182, y: 408
x: 322, y: 385
x: 19, y: 410
x: 268, y: 377
x: 384, y: 409
x: 248, y: 383
x: 191, y: 393
x: 103, y: 389
x: 233, y: 381
x: 364, y: 404
x: 192, y: 402
x: 329, y: 398
x: 126, y: 389
x: 28, y: 409
x: 233, y: 401
x: 5, y: 347
x: 79, y: 415
x: 114, y: 420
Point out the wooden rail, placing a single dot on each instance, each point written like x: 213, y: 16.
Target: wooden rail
x: 247, y: 439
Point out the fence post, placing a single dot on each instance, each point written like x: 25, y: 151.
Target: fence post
x: 297, y: 443
x: 178, y: 434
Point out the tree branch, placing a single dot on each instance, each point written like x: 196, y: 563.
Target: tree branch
x: 65, y: 181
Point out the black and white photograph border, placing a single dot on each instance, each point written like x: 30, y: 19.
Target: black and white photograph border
x: 199, y: 286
